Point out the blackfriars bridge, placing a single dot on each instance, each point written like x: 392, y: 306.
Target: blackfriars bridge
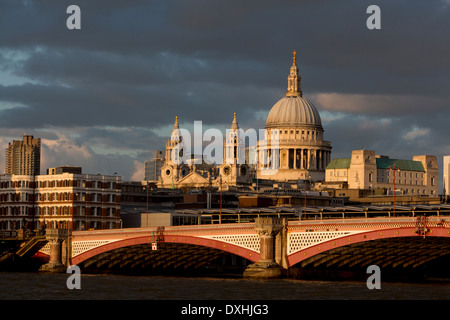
x: 272, y: 246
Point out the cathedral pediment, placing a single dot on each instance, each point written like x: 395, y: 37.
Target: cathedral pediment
x: 193, y: 179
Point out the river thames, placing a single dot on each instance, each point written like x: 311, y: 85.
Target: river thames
x: 173, y: 297
x: 46, y: 286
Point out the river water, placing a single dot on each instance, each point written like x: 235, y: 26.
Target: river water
x: 175, y: 297
x: 45, y: 286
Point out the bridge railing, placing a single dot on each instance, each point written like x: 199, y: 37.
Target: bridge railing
x: 441, y: 221
x: 167, y: 229
x: 346, y: 212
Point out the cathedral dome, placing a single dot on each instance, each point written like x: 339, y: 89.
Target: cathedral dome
x: 293, y: 111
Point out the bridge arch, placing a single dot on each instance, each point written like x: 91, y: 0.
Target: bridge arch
x: 167, y: 243
x: 383, y: 246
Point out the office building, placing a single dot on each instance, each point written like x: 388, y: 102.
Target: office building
x: 365, y: 170
x: 153, y: 167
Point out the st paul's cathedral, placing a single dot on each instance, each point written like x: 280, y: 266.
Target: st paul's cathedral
x: 292, y: 148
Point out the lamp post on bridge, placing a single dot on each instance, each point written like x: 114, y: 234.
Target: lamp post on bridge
x: 220, y: 212
x: 445, y: 190
x: 146, y: 213
x: 394, y: 168
x: 305, y: 175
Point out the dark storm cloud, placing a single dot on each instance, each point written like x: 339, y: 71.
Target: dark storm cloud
x: 387, y: 105
x: 134, y: 65
x: 128, y: 139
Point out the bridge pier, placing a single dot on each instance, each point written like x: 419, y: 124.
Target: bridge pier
x: 55, y: 238
x: 267, y: 267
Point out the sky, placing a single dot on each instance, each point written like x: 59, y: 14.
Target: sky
x: 105, y: 96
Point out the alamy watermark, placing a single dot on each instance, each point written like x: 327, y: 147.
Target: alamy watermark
x: 74, y: 281
x: 374, y: 20
x: 374, y: 280
x: 191, y: 149
x: 74, y: 20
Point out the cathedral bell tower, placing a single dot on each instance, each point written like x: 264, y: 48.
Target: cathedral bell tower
x: 174, y: 155
x: 172, y: 144
x: 234, y: 169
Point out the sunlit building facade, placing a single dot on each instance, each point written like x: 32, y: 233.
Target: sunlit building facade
x: 446, y: 180
x: 24, y: 157
x: 366, y: 170
x: 67, y: 200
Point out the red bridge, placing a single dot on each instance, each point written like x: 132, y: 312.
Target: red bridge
x: 271, y: 245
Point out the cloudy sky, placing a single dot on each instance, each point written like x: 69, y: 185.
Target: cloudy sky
x: 104, y: 97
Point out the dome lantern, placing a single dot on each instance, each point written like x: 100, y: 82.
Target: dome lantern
x: 293, y: 111
x: 294, y: 88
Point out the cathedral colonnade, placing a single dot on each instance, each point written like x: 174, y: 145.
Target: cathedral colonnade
x: 295, y: 158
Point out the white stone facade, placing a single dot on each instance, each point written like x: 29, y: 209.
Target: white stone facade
x: 366, y: 170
